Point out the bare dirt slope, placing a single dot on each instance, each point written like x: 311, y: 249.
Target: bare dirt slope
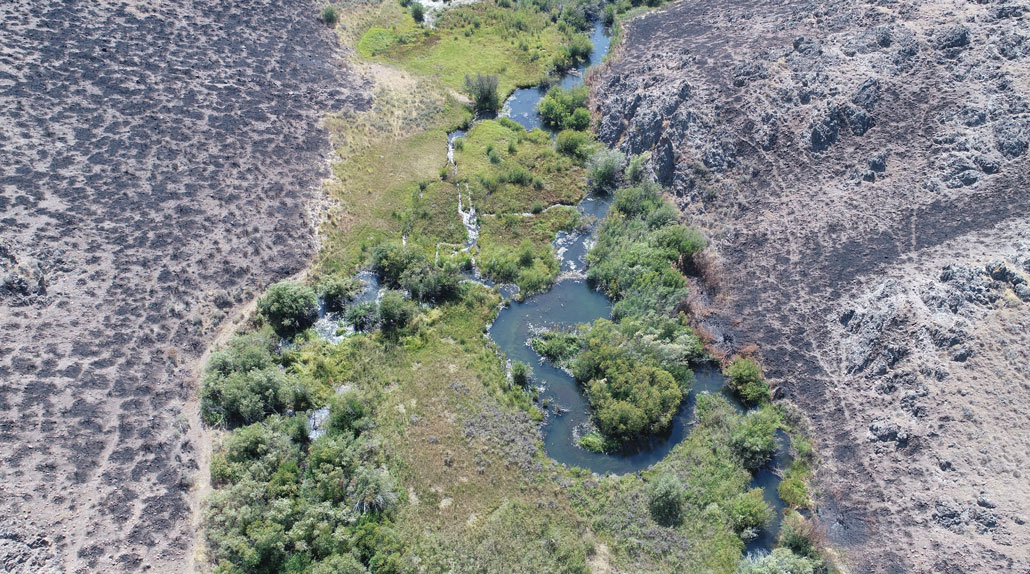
x: 160, y: 159
x: 863, y: 173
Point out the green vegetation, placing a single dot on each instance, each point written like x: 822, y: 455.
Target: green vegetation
x: 520, y: 374
x: 564, y: 109
x: 636, y: 167
x: 512, y: 43
x: 483, y: 91
x: 593, y: 442
x: 337, y: 291
x: 629, y: 396
x: 638, y: 249
x: 289, y: 306
x: 746, y: 381
x: 400, y: 266
x: 283, y: 503
x: 429, y: 459
x: 755, y: 438
x: 242, y: 384
x: 604, y: 168
x: 780, y: 561
x: 665, y: 497
x: 329, y: 16
x: 418, y: 12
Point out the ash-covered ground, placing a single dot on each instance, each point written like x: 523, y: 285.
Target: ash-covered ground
x: 863, y: 173
x: 161, y: 162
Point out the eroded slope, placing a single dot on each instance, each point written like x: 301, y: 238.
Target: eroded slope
x: 826, y: 147
x: 160, y: 160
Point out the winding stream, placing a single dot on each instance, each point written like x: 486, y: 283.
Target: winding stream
x: 568, y: 303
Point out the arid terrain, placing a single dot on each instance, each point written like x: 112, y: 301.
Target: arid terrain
x: 862, y: 171
x: 161, y: 164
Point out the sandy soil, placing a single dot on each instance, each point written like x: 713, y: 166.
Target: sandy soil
x: 841, y: 156
x: 162, y: 162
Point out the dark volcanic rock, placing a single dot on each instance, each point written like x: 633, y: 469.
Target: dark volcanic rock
x: 156, y: 156
x: 864, y: 136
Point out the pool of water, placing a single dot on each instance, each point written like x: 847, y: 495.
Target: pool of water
x: 521, y: 105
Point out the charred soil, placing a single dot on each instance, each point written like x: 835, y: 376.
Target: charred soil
x: 862, y: 171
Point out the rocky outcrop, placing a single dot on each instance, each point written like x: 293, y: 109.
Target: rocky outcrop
x: 857, y: 168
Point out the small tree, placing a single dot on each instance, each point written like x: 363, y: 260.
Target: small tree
x: 418, y: 12
x: 289, y: 306
x: 604, y: 168
x: 329, y: 16
x: 665, y: 499
x: 746, y: 381
x: 520, y: 373
x: 395, y: 311
x: 482, y: 88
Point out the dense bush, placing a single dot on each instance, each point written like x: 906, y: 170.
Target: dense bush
x: 557, y: 346
x: 604, y: 168
x: 338, y: 291
x: 289, y: 306
x: 560, y: 108
x: 748, y: 513
x: 665, y: 498
x: 482, y: 89
x: 635, y: 171
x: 629, y: 396
x: 400, y: 266
x: 243, y: 383
x: 395, y: 311
x: 800, y: 536
x: 636, y: 252
x: 418, y: 12
x: 746, y: 381
x: 576, y: 49
x: 329, y: 16
x: 364, y: 317
x: 780, y: 561
x: 574, y: 144
x: 755, y: 439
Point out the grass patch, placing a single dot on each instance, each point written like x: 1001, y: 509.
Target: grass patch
x: 508, y: 170
x: 516, y: 45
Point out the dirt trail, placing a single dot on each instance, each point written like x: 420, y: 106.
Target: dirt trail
x: 841, y: 155
x: 162, y: 163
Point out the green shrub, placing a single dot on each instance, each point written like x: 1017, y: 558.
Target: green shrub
x: 780, y: 561
x: 244, y: 397
x: 391, y: 260
x: 636, y: 167
x: 592, y: 441
x: 665, y: 497
x: 520, y: 374
x: 329, y: 16
x: 754, y: 439
x: 483, y: 91
x: 746, y: 381
x: 418, y: 12
x: 395, y: 311
x: 338, y: 291
x: 347, y: 414
x: 373, y: 491
x: 537, y: 208
x: 558, y: 107
x: 557, y: 346
x: 629, y: 394
x: 793, y: 491
x: 748, y: 513
x: 633, y: 262
x: 428, y: 283
x: 574, y: 144
x: 363, y: 317
x: 604, y: 168
x: 799, y: 535
x: 289, y: 306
